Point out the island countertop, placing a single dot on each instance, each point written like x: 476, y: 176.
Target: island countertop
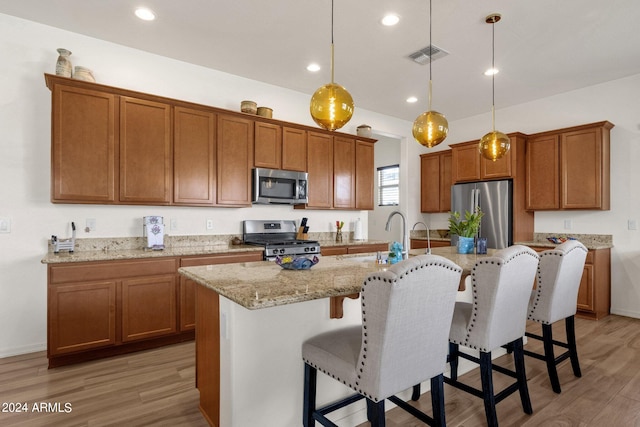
x: 263, y: 284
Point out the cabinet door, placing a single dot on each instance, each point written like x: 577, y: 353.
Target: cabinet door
x: 81, y: 317
x: 145, y: 151
x: 148, y: 307
x: 84, y: 151
x: 235, y: 154
x: 466, y: 163
x: 294, y: 149
x: 268, y: 145
x: 445, y: 182
x: 430, y: 183
x: 501, y: 168
x: 344, y: 163
x: 581, y: 155
x: 542, y: 173
x: 365, y: 175
x: 194, y: 157
x: 586, y: 290
x: 320, y: 168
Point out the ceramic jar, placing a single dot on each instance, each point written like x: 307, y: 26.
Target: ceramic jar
x: 63, y: 65
x: 465, y: 245
x: 265, y: 112
x: 82, y: 73
x: 364, y: 131
x: 249, y: 107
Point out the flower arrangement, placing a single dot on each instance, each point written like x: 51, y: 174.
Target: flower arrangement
x: 339, y: 225
x: 467, y: 227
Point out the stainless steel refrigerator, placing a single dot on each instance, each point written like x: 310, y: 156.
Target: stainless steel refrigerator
x: 495, y: 199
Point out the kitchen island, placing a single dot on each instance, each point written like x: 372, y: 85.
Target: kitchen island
x: 251, y: 320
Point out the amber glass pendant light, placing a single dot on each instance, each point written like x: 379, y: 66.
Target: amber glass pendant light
x: 331, y: 105
x: 431, y: 127
x: 495, y: 144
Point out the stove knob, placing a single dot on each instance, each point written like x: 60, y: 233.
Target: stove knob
x: 282, y: 250
x: 307, y: 249
x: 275, y: 251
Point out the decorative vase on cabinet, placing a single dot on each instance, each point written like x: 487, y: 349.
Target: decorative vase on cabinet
x: 63, y: 65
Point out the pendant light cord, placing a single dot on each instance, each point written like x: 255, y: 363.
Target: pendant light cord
x: 493, y: 75
x: 430, y: 54
x: 331, y: 41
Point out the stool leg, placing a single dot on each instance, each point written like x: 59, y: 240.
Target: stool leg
x: 375, y: 413
x: 415, y: 395
x: 550, y: 358
x: 521, y: 375
x: 486, y: 375
x: 309, y: 399
x: 437, y: 400
x: 453, y: 360
x: 570, y: 327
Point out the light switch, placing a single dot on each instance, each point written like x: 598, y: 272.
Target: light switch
x: 567, y: 224
x: 5, y: 225
x: 632, y: 224
x: 174, y: 223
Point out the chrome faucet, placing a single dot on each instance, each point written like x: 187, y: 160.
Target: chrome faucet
x: 428, y: 237
x: 405, y: 238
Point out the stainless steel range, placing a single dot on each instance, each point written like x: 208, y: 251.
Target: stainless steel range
x: 278, y: 238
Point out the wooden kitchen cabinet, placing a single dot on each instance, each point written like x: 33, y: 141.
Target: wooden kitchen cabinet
x: 235, y: 154
x: 344, y: 164
x: 194, y: 157
x: 188, y: 287
x: 294, y: 149
x: 422, y: 243
x: 569, y: 168
x: 148, y: 307
x: 268, y: 145
x: 145, y: 151
x: 320, y: 170
x: 594, y: 294
x: 435, y: 182
x: 354, y: 249
x: 84, y: 151
x: 468, y: 165
x: 365, y: 175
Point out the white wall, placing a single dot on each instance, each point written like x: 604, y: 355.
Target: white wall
x: 387, y: 153
x: 29, y: 51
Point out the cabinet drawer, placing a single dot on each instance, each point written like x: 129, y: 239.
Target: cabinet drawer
x: 221, y: 259
x: 79, y: 272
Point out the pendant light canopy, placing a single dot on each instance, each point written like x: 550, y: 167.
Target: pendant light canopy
x: 331, y: 105
x: 495, y: 144
x: 431, y: 127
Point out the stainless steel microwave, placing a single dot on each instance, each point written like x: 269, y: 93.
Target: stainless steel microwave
x: 273, y: 186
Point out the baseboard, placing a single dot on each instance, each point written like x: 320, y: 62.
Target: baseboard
x: 627, y: 313
x: 18, y: 351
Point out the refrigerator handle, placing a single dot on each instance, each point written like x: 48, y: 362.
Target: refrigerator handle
x: 472, y: 201
x: 476, y: 206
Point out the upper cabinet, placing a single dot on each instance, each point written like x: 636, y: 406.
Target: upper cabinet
x: 469, y: 165
x: 116, y: 146
x: 145, y: 151
x: 569, y: 168
x: 435, y: 182
x: 84, y: 151
x: 194, y: 157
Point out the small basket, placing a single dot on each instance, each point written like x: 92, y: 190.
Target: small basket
x: 249, y: 107
x: 265, y: 112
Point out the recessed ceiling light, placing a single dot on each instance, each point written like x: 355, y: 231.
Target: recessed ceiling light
x: 412, y: 99
x: 390, y: 20
x: 145, y: 14
x: 313, y: 67
x: 491, y: 72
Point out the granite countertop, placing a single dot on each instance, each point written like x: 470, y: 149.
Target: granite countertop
x: 107, y: 249
x: 591, y: 241
x: 263, y: 284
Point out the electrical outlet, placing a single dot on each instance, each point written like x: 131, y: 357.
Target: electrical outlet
x: 174, y: 224
x: 632, y: 224
x: 209, y: 224
x: 90, y: 225
x: 5, y: 225
x: 567, y: 224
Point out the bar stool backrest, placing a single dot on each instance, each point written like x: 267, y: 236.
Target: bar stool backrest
x: 406, y: 318
x: 559, y: 274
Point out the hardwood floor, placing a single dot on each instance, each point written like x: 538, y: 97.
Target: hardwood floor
x: 156, y: 388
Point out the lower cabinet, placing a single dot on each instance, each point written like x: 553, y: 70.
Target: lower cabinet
x: 354, y: 249
x: 422, y: 243
x: 103, y: 308
x: 594, y: 295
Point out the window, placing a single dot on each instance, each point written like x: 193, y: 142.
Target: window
x: 389, y: 185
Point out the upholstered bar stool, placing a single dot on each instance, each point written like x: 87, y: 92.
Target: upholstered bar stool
x: 555, y: 298
x: 501, y: 287
x: 406, y: 316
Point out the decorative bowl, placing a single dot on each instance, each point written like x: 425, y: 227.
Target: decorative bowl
x: 443, y: 233
x: 296, y: 262
x: 559, y: 239
x: 249, y: 107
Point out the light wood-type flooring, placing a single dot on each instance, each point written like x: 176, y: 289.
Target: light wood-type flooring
x: 156, y: 388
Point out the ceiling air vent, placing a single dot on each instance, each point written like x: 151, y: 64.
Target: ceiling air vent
x: 422, y: 56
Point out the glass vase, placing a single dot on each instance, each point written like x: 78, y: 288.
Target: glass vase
x: 339, y: 236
